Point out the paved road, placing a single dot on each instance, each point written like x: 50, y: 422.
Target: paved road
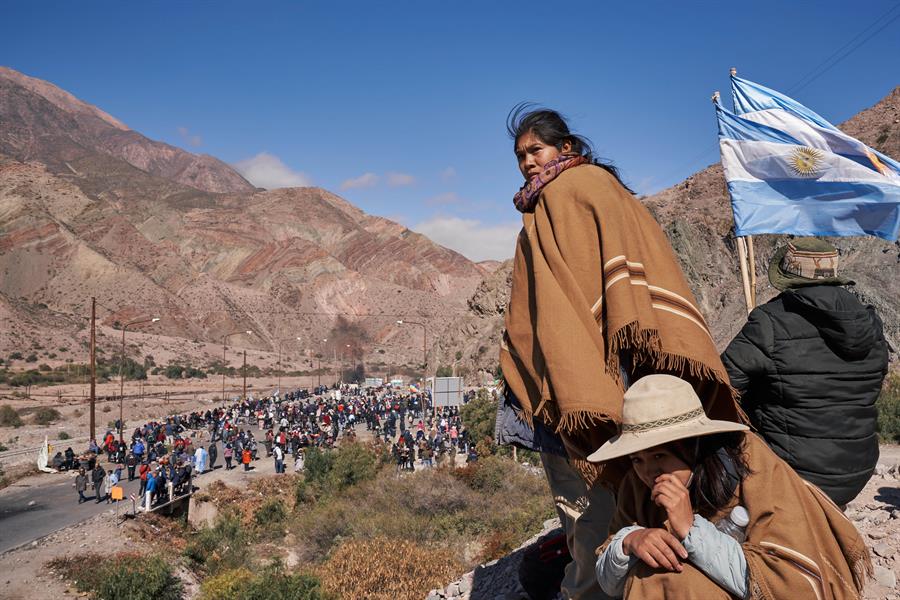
x: 40, y: 505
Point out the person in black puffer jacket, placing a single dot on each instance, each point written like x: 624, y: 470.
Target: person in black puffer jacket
x: 809, y: 366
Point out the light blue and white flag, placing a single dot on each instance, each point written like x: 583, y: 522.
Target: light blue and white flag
x: 791, y: 171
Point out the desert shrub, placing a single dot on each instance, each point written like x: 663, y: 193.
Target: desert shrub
x: 351, y: 464
x: 270, y: 513
x: 46, y: 415
x: 407, y: 571
x: 271, y: 584
x: 226, y: 585
x: 130, y: 576
x: 486, y: 475
x: 317, y: 465
x: 479, y: 417
x: 9, y: 417
x: 31, y: 357
x: 220, y: 547
x: 888, y: 406
x: 15, y: 356
x: 44, y: 367
x: 77, y: 413
x: 444, y: 371
x: 63, y: 436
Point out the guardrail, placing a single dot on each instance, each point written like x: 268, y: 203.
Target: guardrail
x: 20, y: 451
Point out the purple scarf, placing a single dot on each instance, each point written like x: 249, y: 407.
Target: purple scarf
x: 526, y: 198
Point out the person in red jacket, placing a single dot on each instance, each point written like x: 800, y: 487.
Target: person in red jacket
x: 245, y: 458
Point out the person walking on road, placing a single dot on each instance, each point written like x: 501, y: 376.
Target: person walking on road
x: 213, y: 453
x: 131, y: 462
x: 279, y: 459
x: 97, y: 477
x: 81, y: 482
x: 228, y: 453
x: 108, y: 482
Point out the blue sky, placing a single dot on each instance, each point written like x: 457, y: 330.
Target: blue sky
x: 400, y: 107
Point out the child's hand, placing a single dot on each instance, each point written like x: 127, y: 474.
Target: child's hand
x: 656, y: 547
x: 669, y: 493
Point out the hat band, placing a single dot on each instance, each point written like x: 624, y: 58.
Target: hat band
x: 674, y: 420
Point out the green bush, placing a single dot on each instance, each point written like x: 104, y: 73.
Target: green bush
x: 31, y: 357
x: 272, y: 512
x: 63, y: 436
x: 317, y: 465
x: 46, y: 415
x: 272, y: 584
x: 9, y: 417
x: 131, y: 576
x: 479, y: 416
x: 444, y: 371
x: 888, y: 406
x: 351, y: 465
x: 141, y: 579
x: 220, y: 547
x: 15, y: 356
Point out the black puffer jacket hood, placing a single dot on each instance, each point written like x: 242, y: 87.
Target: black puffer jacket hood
x: 809, y: 366
x: 848, y: 327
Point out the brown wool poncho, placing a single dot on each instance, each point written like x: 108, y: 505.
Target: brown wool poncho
x: 594, y: 276
x: 799, y: 544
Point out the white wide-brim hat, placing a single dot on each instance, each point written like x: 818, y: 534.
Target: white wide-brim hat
x: 659, y: 409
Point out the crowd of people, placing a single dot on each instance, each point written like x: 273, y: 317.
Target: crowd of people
x: 166, y: 455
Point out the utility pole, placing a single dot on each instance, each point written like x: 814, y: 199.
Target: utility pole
x: 245, y: 374
x: 93, y: 367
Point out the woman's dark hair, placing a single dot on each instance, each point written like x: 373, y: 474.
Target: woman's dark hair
x: 718, y: 467
x: 551, y: 128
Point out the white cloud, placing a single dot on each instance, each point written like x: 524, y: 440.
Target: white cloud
x: 448, y: 174
x: 449, y: 198
x: 267, y: 171
x: 365, y: 180
x: 472, y: 238
x: 188, y: 138
x: 400, y: 179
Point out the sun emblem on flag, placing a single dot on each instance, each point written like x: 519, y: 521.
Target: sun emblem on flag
x: 805, y: 161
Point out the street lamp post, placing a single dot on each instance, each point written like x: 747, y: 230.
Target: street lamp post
x: 319, y: 367
x: 279, y: 359
x: 424, y: 343
x: 343, y: 362
x: 225, y: 341
x: 122, y: 370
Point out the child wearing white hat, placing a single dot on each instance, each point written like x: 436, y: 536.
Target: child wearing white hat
x: 689, y: 474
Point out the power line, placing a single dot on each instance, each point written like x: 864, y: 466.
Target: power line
x: 833, y: 60
x: 836, y: 56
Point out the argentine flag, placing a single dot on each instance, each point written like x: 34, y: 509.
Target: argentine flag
x: 791, y: 171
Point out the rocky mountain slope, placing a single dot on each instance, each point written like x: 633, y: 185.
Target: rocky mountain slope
x: 90, y: 208
x: 696, y: 215
x: 40, y: 122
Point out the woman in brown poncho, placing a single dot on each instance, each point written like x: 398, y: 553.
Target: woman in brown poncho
x: 597, y: 299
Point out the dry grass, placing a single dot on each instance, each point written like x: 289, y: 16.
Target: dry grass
x: 387, y: 569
